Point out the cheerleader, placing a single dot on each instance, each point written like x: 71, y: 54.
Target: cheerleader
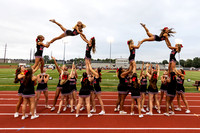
x: 143, y: 87
x: 72, y: 85
x: 38, y: 55
x: 29, y: 93
x: 19, y: 77
x: 84, y: 94
x: 181, y: 90
x: 122, y: 89
x: 59, y: 86
x: 97, y: 88
x: 171, y: 91
x: 165, y: 33
x: 77, y: 29
x: 163, y: 87
x: 172, y: 58
x: 152, y: 89
x: 132, y: 49
x: 90, y: 46
x: 135, y: 93
x: 66, y: 90
x: 42, y: 87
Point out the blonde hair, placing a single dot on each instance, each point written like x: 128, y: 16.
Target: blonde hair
x: 179, y: 47
x: 82, y: 25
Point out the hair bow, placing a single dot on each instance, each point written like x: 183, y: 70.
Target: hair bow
x: 128, y: 42
x: 155, y: 76
x: 25, y: 72
x: 181, y: 45
x: 133, y: 79
x: 117, y: 69
x: 85, y: 79
x: 165, y: 28
x: 92, y: 38
x: 64, y: 77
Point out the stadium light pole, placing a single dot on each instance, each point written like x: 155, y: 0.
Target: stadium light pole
x: 65, y: 42
x: 110, y: 40
x: 179, y: 41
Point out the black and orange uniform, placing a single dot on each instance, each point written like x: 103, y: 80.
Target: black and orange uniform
x: 73, y: 84
x: 91, y: 86
x: 66, y: 89
x: 21, y: 87
x: 71, y: 33
x: 159, y: 38
x: 42, y: 86
x: 171, y: 89
x: 180, y: 87
x: 85, y: 89
x: 29, y: 90
x: 135, y: 92
x: 39, y: 51
x: 143, y: 85
x: 59, y: 86
x: 164, y: 84
x: 97, y: 87
x: 122, y: 86
x: 132, y: 55
x: 88, y: 52
x: 172, y: 55
x: 128, y: 83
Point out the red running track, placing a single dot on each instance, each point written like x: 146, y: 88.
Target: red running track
x: 111, y: 122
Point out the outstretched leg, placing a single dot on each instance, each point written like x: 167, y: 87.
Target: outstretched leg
x: 151, y: 36
x: 57, y: 38
x: 54, y: 21
x: 147, y: 31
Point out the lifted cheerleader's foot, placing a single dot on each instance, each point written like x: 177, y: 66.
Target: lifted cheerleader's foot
x: 143, y: 25
x: 52, y: 20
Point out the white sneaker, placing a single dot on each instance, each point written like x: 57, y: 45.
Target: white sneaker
x: 122, y: 112
x: 147, y: 109
x: 72, y: 110
x: 24, y: 117
x: 77, y: 115
x: 143, y: 110
x: 166, y: 114
x: 75, y: 108
x: 158, y: 111
x: 65, y: 108
x: 132, y: 113
x: 35, y: 116
x: 47, y: 106
x: 140, y: 116
x: 102, y: 113
x: 68, y: 106
x: 149, y: 113
x: 187, y: 111
x: 116, y: 109
x: 170, y: 107
x: 171, y: 112
x: 16, y: 115
x: 83, y: 108
x: 93, y: 111
x: 177, y: 109
x: 89, y: 115
x: 58, y: 112
x: 53, y: 108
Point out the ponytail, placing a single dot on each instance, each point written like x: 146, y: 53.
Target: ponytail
x: 93, y: 45
x: 28, y: 76
x: 17, y: 72
x: 99, y: 72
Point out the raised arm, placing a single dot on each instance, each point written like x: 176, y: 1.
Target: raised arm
x: 57, y: 67
x: 147, y: 71
x: 45, y: 45
x: 95, y: 73
x: 178, y: 73
x: 142, y: 69
x: 85, y: 39
x: 123, y: 75
x: 158, y: 70
x: 76, y: 75
x: 71, y: 71
x: 35, y: 70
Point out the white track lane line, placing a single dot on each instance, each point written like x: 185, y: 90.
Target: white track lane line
x: 79, y: 128
x: 42, y: 105
x: 108, y: 114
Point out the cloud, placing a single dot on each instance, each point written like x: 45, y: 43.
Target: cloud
x: 21, y: 22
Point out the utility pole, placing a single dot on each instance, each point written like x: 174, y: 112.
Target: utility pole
x: 5, y: 53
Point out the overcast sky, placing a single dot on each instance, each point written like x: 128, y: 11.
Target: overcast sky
x: 22, y: 20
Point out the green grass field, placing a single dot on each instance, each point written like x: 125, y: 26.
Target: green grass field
x: 109, y: 80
